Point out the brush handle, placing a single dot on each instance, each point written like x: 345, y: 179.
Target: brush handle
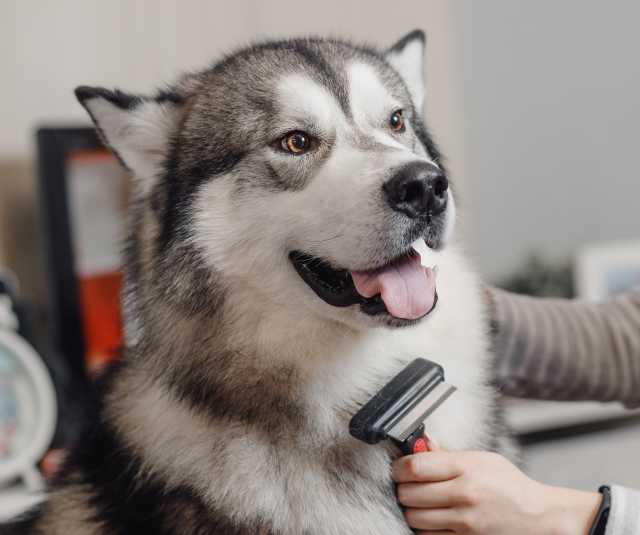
x: 415, y: 443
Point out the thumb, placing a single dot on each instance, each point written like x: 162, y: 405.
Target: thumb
x: 432, y: 444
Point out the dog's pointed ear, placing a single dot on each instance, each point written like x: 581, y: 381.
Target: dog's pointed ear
x: 138, y: 129
x: 407, y: 57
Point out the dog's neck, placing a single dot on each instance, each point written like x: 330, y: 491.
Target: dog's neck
x: 295, y: 364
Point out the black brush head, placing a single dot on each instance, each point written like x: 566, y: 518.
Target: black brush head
x: 395, y: 401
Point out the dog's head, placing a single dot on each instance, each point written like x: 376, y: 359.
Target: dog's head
x: 299, y: 172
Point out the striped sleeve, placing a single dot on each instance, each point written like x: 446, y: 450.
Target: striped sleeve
x: 561, y: 349
x: 624, y: 516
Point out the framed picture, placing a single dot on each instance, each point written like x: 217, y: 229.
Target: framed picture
x: 604, y: 270
x: 84, y: 192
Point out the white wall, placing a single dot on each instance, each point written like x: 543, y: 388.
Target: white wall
x: 552, y: 116
x: 50, y: 47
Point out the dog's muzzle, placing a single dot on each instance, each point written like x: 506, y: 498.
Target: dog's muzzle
x: 403, y: 286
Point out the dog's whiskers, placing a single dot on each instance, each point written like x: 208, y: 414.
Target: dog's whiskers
x: 331, y: 238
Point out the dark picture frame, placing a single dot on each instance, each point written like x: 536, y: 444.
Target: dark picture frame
x: 54, y: 146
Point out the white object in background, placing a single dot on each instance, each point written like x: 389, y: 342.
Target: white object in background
x: 97, y: 196
x: 17, y: 500
x: 605, y: 269
x: 7, y: 317
x: 28, y: 412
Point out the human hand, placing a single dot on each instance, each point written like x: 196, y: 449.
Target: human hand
x: 482, y: 493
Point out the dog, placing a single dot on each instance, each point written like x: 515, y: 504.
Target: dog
x: 272, y: 286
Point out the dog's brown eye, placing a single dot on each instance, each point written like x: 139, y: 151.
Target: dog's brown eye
x: 296, y: 142
x: 396, y: 121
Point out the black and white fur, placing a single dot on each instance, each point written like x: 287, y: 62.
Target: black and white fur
x: 229, y: 414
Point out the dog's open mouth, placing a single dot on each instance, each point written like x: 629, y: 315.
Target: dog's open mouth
x: 404, y: 288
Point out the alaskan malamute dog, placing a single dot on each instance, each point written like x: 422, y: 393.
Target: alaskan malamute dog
x: 272, y: 287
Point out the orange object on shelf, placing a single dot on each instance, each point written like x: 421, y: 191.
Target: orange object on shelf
x: 52, y: 462
x: 102, y: 318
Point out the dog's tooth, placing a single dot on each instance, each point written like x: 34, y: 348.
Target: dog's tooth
x: 421, y: 247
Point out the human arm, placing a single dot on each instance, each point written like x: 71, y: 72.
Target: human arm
x: 567, y: 349
x: 481, y: 493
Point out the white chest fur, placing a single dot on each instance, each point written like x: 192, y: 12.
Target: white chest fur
x: 454, y: 336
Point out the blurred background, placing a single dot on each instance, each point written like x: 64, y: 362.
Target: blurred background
x: 535, y: 105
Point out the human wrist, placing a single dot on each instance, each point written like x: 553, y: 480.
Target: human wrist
x: 569, y: 511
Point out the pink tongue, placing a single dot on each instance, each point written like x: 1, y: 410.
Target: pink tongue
x: 407, y: 288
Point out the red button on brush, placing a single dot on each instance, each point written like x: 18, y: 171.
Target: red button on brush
x: 420, y: 446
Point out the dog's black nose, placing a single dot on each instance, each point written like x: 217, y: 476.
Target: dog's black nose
x: 417, y: 189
